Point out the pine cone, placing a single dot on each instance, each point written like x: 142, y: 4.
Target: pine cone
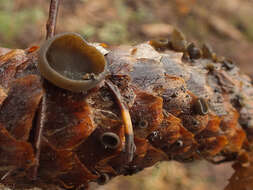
x: 185, y: 104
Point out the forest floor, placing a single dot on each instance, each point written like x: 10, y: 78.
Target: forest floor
x: 227, y: 25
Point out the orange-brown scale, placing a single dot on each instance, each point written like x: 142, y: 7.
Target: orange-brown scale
x: 146, y: 113
x: 61, y: 163
x: 91, y: 158
x: 19, y: 108
x: 68, y: 119
x: 14, y: 153
x: 8, y: 63
x: 167, y: 133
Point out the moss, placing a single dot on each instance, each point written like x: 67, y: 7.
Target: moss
x: 88, y: 31
x: 113, y: 32
x: 13, y: 23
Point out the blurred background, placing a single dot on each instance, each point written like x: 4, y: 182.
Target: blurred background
x: 227, y: 25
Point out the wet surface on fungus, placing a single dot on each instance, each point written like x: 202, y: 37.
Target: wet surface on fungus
x: 68, y: 61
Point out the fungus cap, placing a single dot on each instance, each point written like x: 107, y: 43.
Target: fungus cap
x: 69, y: 62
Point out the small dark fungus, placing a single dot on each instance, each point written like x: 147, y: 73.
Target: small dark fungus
x: 110, y: 140
x: 178, y: 41
x: 179, y: 143
x: 228, y: 64
x: 143, y: 124
x: 186, y: 57
x: 69, y: 62
x: 195, y: 122
x: 159, y: 44
x: 200, y: 106
x: 208, y: 52
x: 103, y: 179
x: 193, y: 51
x: 210, y: 67
x: 132, y: 170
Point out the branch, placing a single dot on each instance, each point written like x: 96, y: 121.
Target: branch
x: 185, y: 104
x: 52, y: 18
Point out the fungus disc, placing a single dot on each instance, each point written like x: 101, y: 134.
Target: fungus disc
x: 69, y: 62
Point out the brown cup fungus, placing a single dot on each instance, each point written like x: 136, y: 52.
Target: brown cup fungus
x: 69, y: 62
x: 110, y: 140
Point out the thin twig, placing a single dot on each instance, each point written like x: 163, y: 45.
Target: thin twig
x: 7, y: 174
x: 38, y: 135
x: 51, y: 25
x: 52, y: 18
